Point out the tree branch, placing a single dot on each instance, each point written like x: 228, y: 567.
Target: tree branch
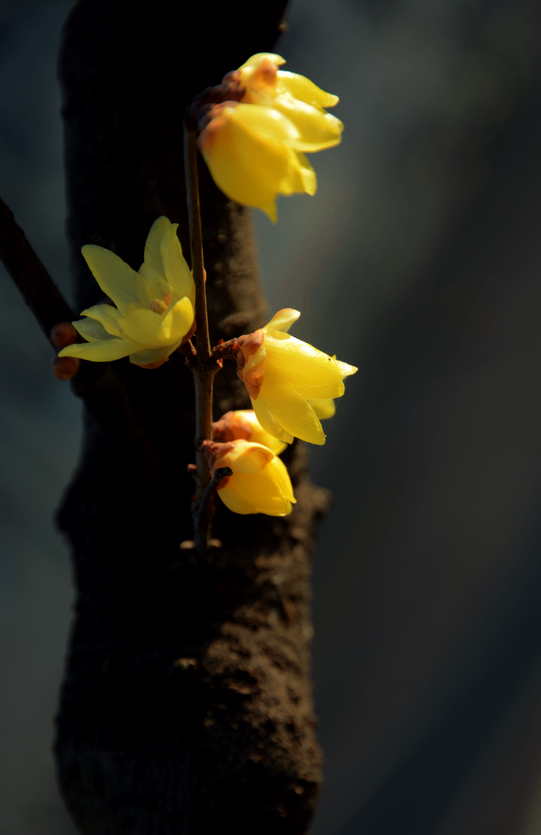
x: 30, y: 276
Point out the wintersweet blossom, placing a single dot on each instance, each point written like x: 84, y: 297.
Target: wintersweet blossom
x: 260, y: 482
x: 153, y: 312
x: 255, y: 148
x: 243, y: 424
x: 290, y: 383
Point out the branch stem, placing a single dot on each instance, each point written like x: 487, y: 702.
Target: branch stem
x: 206, y: 510
x: 30, y: 276
x: 203, y: 365
x: 196, y: 242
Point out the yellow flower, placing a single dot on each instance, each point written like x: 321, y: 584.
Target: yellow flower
x: 290, y: 383
x: 154, y: 307
x: 260, y: 482
x: 254, y: 149
x: 243, y: 424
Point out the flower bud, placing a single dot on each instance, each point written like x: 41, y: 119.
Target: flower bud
x: 260, y: 482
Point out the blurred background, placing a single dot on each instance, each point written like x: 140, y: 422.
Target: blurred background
x: 419, y: 261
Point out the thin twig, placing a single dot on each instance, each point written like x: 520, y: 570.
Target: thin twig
x: 203, y: 364
x: 203, y: 514
x: 196, y: 241
x: 37, y: 287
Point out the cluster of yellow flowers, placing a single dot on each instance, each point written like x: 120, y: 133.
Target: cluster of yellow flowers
x: 254, y: 149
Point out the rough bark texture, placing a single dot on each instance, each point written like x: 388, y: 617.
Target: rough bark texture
x: 186, y: 706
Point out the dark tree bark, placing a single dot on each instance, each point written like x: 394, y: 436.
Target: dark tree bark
x: 186, y: 705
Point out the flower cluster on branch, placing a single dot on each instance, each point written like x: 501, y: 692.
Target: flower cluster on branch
x: 254, y: 129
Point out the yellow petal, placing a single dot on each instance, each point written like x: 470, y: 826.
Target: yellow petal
x: 282, y: 320
x: 324, y: 408
x: 264, y: 492
x: 107, y: 315
x: 151, y: 285
x: 312, y: 372
x: 249, y: 157
x: 269, y: 423
x: 260, y: 482
x: 176, y: 269
x: 259, y: 56
x: 234, y: 501
x: 259, y: 81
x: 291, y: 411
x: 307, y: 175
x: 106, y: 351
x: 176, y: 323
x: 149, y: 355
x: 278, y: 472
x: 141, y: 326
x: 317, y: 129
x: 247, y: 457
x: 153, y: 257
x: 304, y: 89
x: 259, y: 435
x: 115, y: 277
x: 90, y: 330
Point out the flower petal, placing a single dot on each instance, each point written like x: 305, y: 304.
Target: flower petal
x: 234, y: 501
x: 141, y: 326
x: 247, y: 457
x: 282, y: 320
x: 259, y: 56
x: 153, y: 257
x: 307, y: 174
x: 258, y: 434
x: 115, y: 277
x: 151, y: 285
x: 91, y: 330
x: 268, y: 422
x: 324, y: 407
x: 304, y: 89
x: 315, y: 374
x: 249, y: 156
x: 176, y: 323
x: 106, y: 314
x: 106, y: 351
x: 176, y: 269
x: 149, y: 355
x: 279, y: 474
x: 263, y: 492
x: 291, y: 411
x: 317, y: 129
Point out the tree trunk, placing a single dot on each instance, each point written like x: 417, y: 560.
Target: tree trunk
x: 186, y: 705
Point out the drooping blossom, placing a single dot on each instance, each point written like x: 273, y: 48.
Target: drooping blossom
x: 290, y: 383
x: 255, y: 147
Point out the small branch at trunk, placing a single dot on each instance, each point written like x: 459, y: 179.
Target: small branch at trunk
x: 37, y: 287
x: 203, y: 517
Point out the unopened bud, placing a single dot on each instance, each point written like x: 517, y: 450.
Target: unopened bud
x: 64, y: 334
x: 65, y: 368
x: 230, y: 427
